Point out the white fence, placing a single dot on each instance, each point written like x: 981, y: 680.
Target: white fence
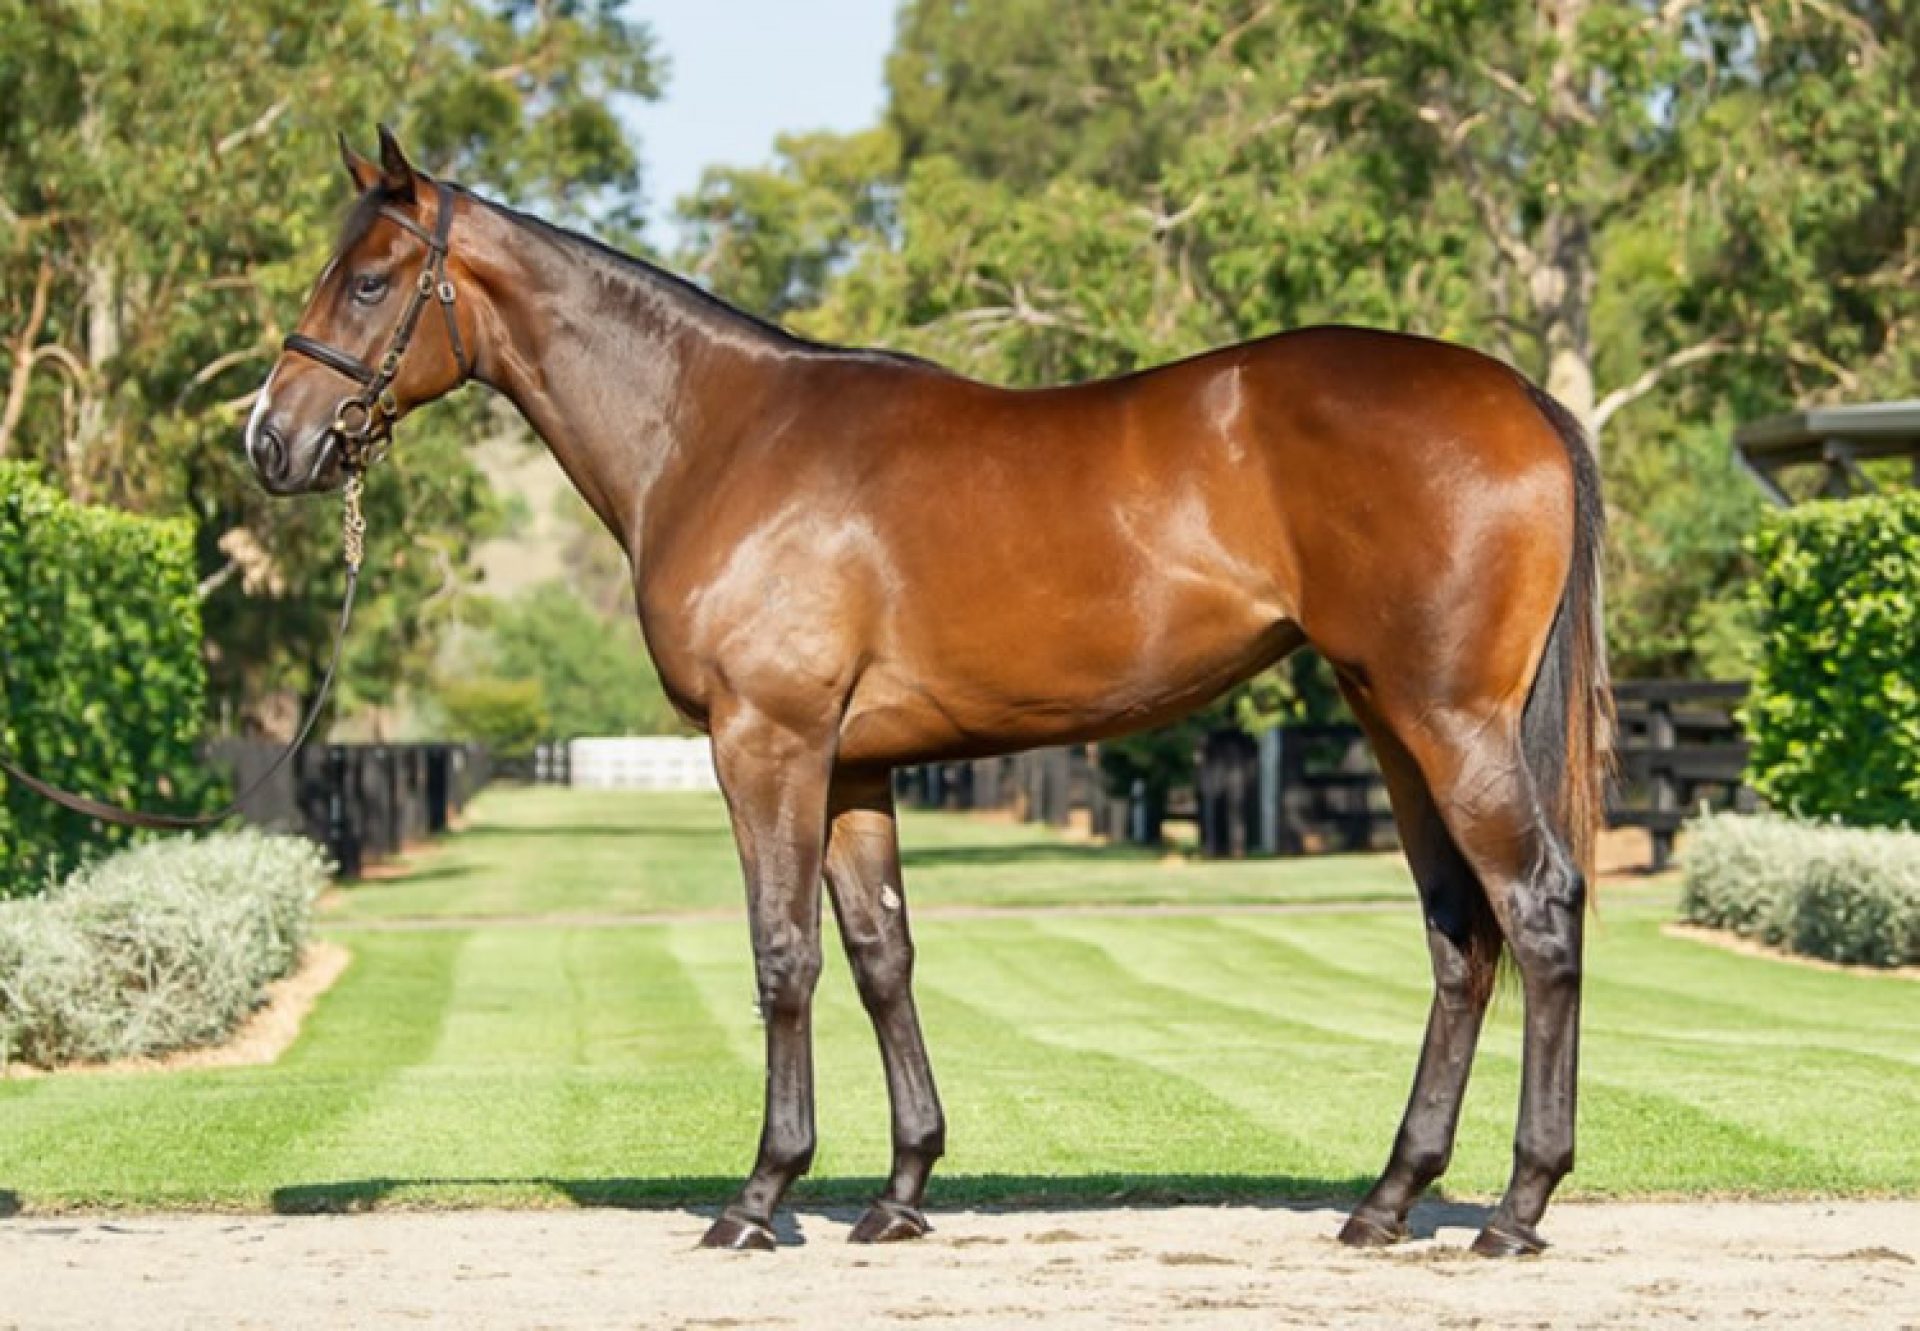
x: 642, y: 762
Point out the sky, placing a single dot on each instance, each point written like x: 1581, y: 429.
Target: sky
x: 741, y: 72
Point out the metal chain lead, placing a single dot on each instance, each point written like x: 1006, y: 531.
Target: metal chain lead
x: 353, y: 524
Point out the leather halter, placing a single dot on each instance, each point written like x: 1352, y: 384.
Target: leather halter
x: 365, y: 420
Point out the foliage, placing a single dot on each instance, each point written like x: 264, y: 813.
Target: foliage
x: 509, y: 716
x: 159, y: 230
x: 1676, y: 216
x: 1844, y: 894
x: 592, y: 670
x: 1835, y: 709
x: 103, y: 690
x: 162, y: 947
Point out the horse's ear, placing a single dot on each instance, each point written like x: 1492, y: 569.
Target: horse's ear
x: 363, y: 173
x: 396, y: 172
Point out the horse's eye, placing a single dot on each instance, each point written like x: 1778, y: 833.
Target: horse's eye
x: 369, y: 288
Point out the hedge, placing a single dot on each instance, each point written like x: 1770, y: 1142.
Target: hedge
x: 1834, y: 715
x: 102, y: 689
x: 1845, y: 894
x: 162, y: 947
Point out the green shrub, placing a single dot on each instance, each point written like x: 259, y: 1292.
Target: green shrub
x: 1835, y: 711
x: 165, y: 946
x: 1846, y: 894
x: 509, y: 716
x: 103, y: 689
x: 593, y: 670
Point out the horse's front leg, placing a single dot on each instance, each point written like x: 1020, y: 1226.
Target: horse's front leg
x: 869, y: 899
x: 775, y: 780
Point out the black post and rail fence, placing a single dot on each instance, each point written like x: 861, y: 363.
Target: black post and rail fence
x: 363, y: 802
x: 1306, y: 789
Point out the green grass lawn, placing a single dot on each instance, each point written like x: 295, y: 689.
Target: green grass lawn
x: 1080, y: 1056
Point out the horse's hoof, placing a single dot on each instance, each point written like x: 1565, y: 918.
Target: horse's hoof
x: 1509, y: 1238
x: 889, y: 1222
x: 739, y: 1233
x: 1363, y: 1231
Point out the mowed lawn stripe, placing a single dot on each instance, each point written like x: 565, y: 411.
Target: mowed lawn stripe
x: 574, y: 1060
x: 1184, y: 1068
x: 1300, y: 984
x: 228, y: 1136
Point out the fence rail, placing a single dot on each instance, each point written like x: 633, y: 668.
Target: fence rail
x: 1310, y: 788
x: 360, y: 801
x: 1678, y: 745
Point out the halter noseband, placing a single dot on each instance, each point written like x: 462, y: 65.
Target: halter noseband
x: 364, y: 421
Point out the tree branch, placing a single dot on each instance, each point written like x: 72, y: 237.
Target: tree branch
x: 262, y: 123
x: 25, y: 357
x: 1649, y: 379
x: 213, y: 368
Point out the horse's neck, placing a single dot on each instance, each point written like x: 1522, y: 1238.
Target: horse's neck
x: 607, y: 360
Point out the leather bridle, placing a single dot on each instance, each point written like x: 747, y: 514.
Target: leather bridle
x: 364, y: 421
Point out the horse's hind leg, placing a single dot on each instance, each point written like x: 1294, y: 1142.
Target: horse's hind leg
x: 1464, y: 942
x: 1475, y: 765
x: 869, y: 900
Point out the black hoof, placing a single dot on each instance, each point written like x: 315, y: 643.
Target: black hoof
x: 1509, y: 1238
x: 889, y: 1222
x: 739, y: 1233
x: 1364, y: 1231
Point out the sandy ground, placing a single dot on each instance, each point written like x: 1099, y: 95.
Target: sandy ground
x: 1828, y: 1265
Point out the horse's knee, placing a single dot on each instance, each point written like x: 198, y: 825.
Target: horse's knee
x: 786, y: 973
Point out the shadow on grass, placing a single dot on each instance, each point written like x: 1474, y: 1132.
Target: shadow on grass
x: 967, y: 1191
x: 9, y: 1203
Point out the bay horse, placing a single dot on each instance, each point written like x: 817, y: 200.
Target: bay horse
x: 847, y: 560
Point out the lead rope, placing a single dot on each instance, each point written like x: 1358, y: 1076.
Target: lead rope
x: 353, y: 544
x: 353, y: 525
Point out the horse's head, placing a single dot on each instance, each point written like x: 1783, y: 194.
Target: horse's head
x: 367, y: 349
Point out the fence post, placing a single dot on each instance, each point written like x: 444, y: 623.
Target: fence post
x: 1660, y: 734
x: 342, y: 844
x: 1268, y: 786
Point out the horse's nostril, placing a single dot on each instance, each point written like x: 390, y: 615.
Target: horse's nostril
x: 273, y: 453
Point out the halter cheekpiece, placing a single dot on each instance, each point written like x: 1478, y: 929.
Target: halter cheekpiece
x: 365, y: 420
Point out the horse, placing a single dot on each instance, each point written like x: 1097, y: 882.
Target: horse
x: 847, y: 560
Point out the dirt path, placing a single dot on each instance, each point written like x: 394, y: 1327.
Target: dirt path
x: 1827, y: 1265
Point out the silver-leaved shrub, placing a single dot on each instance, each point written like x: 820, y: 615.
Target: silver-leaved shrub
x: 161, y: 947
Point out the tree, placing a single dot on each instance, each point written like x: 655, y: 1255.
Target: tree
x: 592, y: 671
x: 159, y: 228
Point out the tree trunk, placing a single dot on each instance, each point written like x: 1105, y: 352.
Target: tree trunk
x: 1561, y: 289
x: 103, y: 344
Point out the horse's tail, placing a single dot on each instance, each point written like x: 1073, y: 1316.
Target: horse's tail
x: 1567, y: 728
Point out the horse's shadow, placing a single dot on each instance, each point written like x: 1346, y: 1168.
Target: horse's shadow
x: 9, y: 1203
x: 842, y: 1198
